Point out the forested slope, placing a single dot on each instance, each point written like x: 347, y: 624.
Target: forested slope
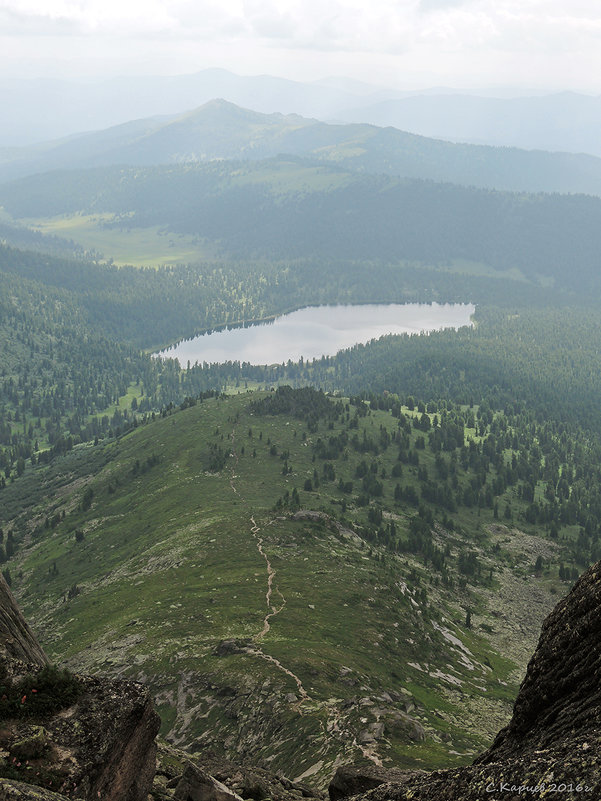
x: 72, y: 331
x: 294, y: 209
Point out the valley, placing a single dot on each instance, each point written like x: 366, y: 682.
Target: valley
x: 311, y: 558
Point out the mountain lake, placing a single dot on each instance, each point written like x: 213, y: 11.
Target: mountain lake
x: 317, y: 331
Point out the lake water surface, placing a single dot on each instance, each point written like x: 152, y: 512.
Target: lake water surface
x: 318, y: 331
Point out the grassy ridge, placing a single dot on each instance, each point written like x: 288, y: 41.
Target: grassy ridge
x: 165, y: 581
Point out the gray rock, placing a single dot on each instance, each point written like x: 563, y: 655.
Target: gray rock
x: 17, y: 640
x: 17, y: 791
x: 196, y: 785
x: 32, y: 745
x: 350, y: 780
x: 227, y: 647
x: 401, y: 724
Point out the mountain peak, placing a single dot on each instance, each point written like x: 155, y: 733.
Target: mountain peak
x: 229, y: 110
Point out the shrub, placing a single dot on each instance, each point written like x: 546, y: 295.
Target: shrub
x: 43, y: 693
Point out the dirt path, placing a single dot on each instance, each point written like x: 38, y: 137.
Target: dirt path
x: 332, y: 728
x: 304, y: 695
x: 369, y: 752
x: 275, y: 610
x: 272, y: 588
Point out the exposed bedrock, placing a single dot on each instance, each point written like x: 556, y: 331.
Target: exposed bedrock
x: 553, y: 738
x: 68, y: 736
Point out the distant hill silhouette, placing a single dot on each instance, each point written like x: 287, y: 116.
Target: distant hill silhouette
x: 222, y: 130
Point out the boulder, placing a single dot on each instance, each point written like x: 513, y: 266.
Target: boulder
x: 17, y: 791
x: 234, y: 646
x: 32, y: 746
x: 196, y: 785
x: 350, y: 780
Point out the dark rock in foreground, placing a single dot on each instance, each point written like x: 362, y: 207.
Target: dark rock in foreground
x: 206, y: 776
x: 17, y: 791
x: 17, y: 640
x: 89, y: 738
x: 196, y: 785
x: 350, y: 780
x: 552, y: 745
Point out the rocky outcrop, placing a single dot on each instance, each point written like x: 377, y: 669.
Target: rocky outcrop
x: 17, y: 791
x: 196, y: 785
x: 350, y: 780
x: 102, y: 746
x: 75, y: 736
x: 17, y: 640
x: 206, y: 776
x: 552, y: 745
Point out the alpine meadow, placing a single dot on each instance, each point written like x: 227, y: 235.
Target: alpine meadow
x: 368, y: 572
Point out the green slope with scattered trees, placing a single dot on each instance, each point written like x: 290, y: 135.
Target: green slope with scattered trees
x: 284, y: 568
x: 72, y: 333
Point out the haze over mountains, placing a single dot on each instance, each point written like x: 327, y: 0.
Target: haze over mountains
x: 40, y: 110
x: 565, y: 121
x: 243, y: 184
x: 222, y: 130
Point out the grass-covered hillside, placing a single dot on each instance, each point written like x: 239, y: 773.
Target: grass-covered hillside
x: 299, y: 579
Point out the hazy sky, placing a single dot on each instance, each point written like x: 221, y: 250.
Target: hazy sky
x: 550, y: 44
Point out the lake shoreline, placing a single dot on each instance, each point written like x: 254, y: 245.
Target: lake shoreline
x: 312, y: 332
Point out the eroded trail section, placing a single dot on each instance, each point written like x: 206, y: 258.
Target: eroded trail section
x: 304, y: 695
x: 332, y: 727
x: 273, y: 610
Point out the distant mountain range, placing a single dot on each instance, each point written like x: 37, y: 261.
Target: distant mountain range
x: 222, y: 130
x: 559, y: 122
x: 35, y: 111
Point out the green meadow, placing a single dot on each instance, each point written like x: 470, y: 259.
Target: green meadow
x: 162, y: 554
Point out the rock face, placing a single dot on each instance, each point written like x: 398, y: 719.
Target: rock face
x: 196, y: 785
x: 17, y: 640
x: 350, y: 780
x: 554, y: 736
x: 98, y: 744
